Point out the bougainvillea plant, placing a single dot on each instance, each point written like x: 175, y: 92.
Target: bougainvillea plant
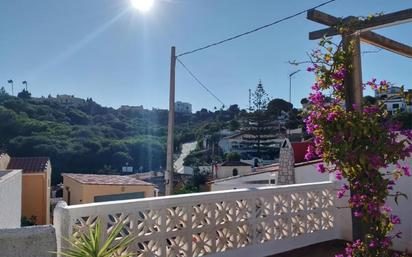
x: 357, y: 143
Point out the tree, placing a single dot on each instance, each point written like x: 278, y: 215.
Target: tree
x: 24, y: 94
x: 234, y: 125
x: 3, y: 94
x: 233, y: 156
x: 277, y: 105
x: 368, y: 100
x: 260, y: 99
x: 259, y: 122
x: 304, y: 101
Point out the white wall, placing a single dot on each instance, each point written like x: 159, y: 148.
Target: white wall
x: 227, y: 171
x: 10, y: 198
x: 404, y: 211
x: 309, y: 174
x: 303, y: 174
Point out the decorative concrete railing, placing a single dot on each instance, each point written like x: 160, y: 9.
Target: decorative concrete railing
x: 244, y: 222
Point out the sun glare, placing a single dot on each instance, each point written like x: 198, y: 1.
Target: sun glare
x: 142, y: 5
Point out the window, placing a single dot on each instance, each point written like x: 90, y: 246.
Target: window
x: 395, y: 106
x: 235, y: 172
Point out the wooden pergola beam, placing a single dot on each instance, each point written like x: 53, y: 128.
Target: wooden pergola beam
x: 366, y: 36
x: 321, y: 17
x: 386, y: 20
x: 380, y: 41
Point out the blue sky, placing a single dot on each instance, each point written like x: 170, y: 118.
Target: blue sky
x: 106, y: 50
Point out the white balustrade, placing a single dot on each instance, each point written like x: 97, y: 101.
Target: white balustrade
x: 243, y: 222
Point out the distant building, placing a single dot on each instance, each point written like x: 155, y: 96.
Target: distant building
x: 244, y: 144
x: 396, y: 99
x: 90, y: 188
x: 183, y: 107
x: 292, y: 168
x: 131, y: 108
x: 392, y: 91
x: 69, y: 100
x: 35, y: 183
x: 232, y: 168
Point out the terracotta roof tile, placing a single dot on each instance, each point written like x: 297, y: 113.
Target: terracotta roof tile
x: 28, y: 164
x: 94, y: 179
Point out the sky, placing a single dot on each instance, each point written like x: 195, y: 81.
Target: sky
x: 107, y: 50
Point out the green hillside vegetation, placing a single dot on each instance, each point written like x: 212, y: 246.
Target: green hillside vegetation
x: 90, y: 138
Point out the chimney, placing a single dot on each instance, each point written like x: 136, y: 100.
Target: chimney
x: 286, y: 164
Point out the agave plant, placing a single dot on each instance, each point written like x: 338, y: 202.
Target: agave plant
x: 90, y: 244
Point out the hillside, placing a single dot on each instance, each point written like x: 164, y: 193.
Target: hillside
x: 90, y: 138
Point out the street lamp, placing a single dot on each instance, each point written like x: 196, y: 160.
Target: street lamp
x: 290, y: 96
x: 290, y: 84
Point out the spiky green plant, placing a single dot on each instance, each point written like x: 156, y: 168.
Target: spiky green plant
x: 90, y: 244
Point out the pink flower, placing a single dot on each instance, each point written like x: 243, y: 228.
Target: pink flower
x: 310, y: 153
x: 321, y: 168
x: 357, y: 214
x: 338, y: 175
x: 406, y: 171
x: 395, y: 219
x: 331, y: 116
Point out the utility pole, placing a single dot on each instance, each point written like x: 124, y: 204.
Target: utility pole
x: 170, y: 127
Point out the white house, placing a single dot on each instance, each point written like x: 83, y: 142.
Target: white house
x: 10, y: 198
x: 183, y: 107
x: 232, y: 168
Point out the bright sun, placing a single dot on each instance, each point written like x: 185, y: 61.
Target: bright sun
x: 142, y: 5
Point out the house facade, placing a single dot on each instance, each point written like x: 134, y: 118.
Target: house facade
x: 36, y: 183
x: 183, y: 107
x: 90, y: 188
x: 232, y: 168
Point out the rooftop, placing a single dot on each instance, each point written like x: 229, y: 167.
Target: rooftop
x: 93, y: 179
x: 28, y: 164
x: 234, y: 163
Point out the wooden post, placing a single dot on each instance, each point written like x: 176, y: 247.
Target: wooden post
x: 353, y: 78
x: 170, y: 128
x: 353, y: 96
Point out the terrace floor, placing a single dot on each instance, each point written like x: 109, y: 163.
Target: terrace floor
x: 325, y: 249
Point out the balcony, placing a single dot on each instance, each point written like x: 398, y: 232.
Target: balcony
x: 243, y: 222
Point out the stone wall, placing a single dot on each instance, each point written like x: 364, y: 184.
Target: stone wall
x: 35, y: 241
x: 286, y: 164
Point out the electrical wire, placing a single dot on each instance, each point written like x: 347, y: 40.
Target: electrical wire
x: 199, y: 82
x: 253, y: 30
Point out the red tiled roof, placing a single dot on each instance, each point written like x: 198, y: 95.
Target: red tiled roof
x: 94, y: 179
x: 28, y: 164
x: 299, y: 148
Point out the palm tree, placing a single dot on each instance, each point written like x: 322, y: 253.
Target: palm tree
x: 10, y: 81
x: 25, y: 83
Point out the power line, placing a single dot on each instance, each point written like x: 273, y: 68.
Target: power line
x: 253, y: 30
x: 198, y: 81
